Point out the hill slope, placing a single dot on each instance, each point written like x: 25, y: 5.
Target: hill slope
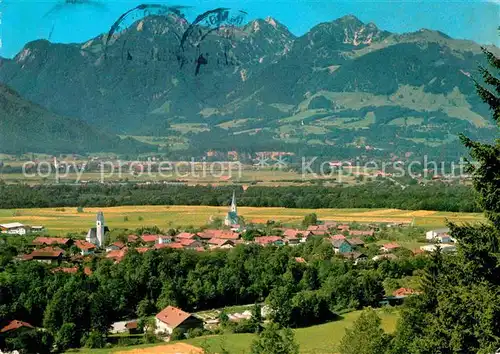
x: 26, y: 127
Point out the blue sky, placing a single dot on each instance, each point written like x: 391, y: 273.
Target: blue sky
x: 26, y: 20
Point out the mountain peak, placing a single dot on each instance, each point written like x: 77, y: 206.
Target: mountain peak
x: 349, y: 20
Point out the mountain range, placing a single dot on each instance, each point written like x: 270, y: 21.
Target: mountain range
x: 344, y: 84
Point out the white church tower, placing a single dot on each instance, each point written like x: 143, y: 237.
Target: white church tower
x: 100, y: 231
x: 232, y: 215
x: 97, y: 234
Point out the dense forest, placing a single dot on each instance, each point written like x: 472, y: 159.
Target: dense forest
x: 379, y: 194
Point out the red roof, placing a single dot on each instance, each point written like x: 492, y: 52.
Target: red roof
x: 225, y: 234
x: 404, y: 292
x: 142, y: 249
x: 118, y: 244
x: 175, y: 245
x: 132, y: 238
x: 131, y: 325
x: 300, y: 260
x: 117, y: 255
x: 186, y: 235
x: 343, y: 227
x: 47, y: 252
x: 361, y: 232
x: 50, y: 241
x: 172, y: 316
x: 149, y: 238
x: 291, y: 233
x: 266, y: 240
x: 15, y: 324
x: 84, y: 245
x: 219, y: 242
x: 337, y: 237
x: 186, y: 242
x: 391, y: 246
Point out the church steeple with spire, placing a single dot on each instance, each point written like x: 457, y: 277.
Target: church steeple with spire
x: 232, y: 215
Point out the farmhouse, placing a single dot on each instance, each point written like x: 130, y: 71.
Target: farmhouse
x: 46, y: 255
x: 171, y: 318
x: 269, y: 240
x: 432, y: 234
x: 220, y: 243
x: 14, y: 228
x: 115, y: 246
x: 48, y: 241
x: 224, y: 234
x: 341, y: 246
x: 356, y: 257
x: 85, y: 247
x: 389, y: 247
x: 149, y: 238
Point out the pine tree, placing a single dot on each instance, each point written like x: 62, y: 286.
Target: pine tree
x: 486, y: 173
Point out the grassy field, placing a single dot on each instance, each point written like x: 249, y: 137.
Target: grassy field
x: 321, y: 339
x: 59, y: 221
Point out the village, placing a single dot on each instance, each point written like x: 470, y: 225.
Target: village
x: 352, y: 242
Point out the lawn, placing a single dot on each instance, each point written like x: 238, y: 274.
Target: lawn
x: 59, y: 221
x: 320, y: 339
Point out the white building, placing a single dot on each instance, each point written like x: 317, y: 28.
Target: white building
x: 171, y: 318
x: 14, y: 228
x: 97, y: 234
x: 433, y: 234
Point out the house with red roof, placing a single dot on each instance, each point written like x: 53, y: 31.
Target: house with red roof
x: 220, y: 243
x: 117, y: 255
x: 361, y: 233
x: 115, y: 246
x: 171, y: 318
x: 49, y: 241
x: 300, y: 260
x: 149, y: 238
x: 186, y: 236
x: 46, y: 255
x: 337, y: 237
x: 356, y: 242
x: 270, y: 240
x: 318, y: 230
x: 85, y: 247
x: 389, y: 247
x: 190, y: 244
x: 132, y: 239
x: 16, y: 325
x: 174, y: 245
x: 224, y: 234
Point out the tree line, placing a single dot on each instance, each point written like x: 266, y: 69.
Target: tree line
x: 381, y: 194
